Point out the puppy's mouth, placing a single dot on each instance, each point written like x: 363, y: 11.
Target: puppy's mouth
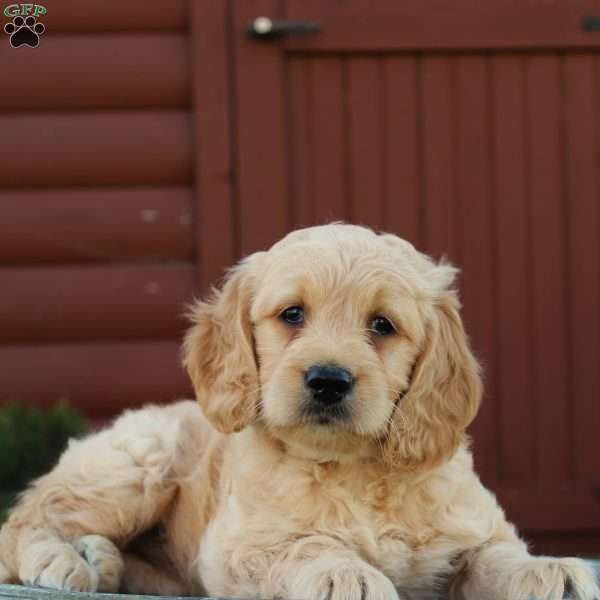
x: 319, y: 413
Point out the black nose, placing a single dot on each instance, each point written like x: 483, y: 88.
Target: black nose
x: 328, y: 384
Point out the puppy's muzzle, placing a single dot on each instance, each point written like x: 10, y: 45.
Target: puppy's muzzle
x: 328, y: 385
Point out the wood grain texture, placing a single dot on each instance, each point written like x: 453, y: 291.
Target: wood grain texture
x: 299, y: 119
x: 93, y: 148
x: 387, y: 25
x: 95, y: 224
x: 213, y: 94
x: 108, y: 70
x: 582, y: 186
x: 316, y: 161
x: 402, y: 146
x: 123, y: 301
x: 262, y: 210
x: 365, y: 138
x: 114, y: 15
x: 496, y: 154
x: 472, y: 206
x: 565, y: 506
x: 100, y: 378
x: 508, y: 190
x: 564, y: 544
x: 512, y: 222
x: 326, y: 150
x: 436, y: 85
x: 548, y: 243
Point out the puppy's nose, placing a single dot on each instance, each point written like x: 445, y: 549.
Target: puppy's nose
x: 328, y: 385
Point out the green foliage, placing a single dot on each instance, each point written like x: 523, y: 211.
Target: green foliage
x: 31, y: 442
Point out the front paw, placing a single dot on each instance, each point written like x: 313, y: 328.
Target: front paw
x: 92, y: 563
x: 340, y: 579
x: 554, y: 578
x: 545, y: 578
x: 59, y: 566
x: 104, y: 558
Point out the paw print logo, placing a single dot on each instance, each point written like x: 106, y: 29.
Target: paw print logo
x: 24, y: 32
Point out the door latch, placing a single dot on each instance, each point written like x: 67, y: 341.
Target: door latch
x: 264, y: 28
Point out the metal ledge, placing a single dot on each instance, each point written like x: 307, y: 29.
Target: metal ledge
x: 21, y: 592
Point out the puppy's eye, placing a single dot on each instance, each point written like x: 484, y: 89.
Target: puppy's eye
x: 294, y: 315
x: 381, y: 326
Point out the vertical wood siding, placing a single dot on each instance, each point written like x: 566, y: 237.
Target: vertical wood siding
x: 489, y: 159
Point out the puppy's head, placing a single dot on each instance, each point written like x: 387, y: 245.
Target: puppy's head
x: 338, y: 339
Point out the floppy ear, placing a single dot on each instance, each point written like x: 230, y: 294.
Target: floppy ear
x: 218, y: 352
x: 445, y: 389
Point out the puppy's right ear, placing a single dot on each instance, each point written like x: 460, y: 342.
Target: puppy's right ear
x: 218, y: 352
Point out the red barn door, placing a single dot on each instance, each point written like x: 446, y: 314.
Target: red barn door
x: 469, y: 128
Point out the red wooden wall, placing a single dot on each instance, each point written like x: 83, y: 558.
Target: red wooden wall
x: 144, y: 147
x: 101, y: 226
x: 471, y: 131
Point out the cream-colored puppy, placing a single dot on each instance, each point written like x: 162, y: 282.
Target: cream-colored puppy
x: 330, y: 461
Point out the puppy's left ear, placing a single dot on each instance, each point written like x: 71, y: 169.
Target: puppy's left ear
x: 218, y: 352
x: 445, y: 389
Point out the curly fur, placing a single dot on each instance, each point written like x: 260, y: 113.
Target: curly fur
x: 251, y: 498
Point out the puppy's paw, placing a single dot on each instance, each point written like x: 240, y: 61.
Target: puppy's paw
x: 104, y: 558
x: 543, y: 578
x: 341, y: 579
x: 554, y: 578
x: 59, y: 566
x: 582, y: 581
x: 91, y: 564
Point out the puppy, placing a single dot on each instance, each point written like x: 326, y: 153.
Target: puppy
x: 329, y: 461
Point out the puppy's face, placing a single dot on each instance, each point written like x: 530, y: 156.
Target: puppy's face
x: 338, y: 338
x: 337, y: 331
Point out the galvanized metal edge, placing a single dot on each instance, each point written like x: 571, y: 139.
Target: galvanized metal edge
x: 21, y: 592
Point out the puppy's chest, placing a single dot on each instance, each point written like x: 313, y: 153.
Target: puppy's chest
x: 390, y: 526
x: 363, y: 510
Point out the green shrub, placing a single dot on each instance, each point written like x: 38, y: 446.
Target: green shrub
x: 31, y: 442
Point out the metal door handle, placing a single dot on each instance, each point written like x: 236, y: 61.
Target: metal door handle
x: 266, y: 28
